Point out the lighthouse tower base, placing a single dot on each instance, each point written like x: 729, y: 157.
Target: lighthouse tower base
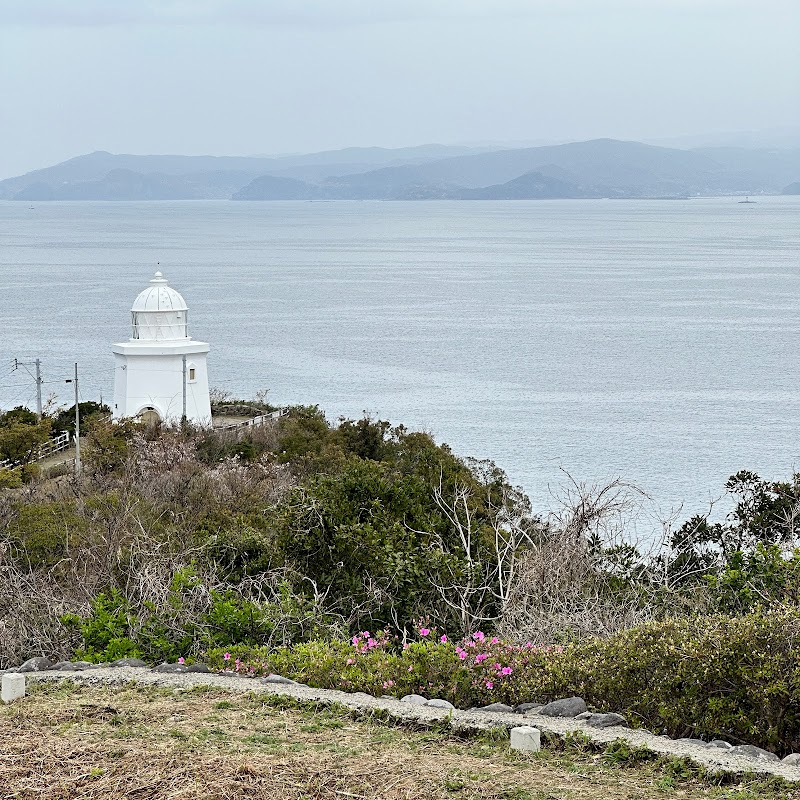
x: 152, y: 378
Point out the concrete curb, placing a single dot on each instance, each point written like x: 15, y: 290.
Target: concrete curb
x: 713, y: 759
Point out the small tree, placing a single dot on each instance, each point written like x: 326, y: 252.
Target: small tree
x: 65, y: 419
x: 21, y: 435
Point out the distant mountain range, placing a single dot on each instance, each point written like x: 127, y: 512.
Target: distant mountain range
x: 597, y: 168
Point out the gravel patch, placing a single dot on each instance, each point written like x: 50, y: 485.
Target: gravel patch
x: 715, y: 759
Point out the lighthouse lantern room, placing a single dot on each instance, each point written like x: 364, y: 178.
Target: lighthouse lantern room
x: 161, y: 371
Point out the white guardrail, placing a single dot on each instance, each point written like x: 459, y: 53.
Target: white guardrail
x: 255, y: 422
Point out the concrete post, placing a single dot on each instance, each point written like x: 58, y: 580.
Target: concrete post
x: 526, y: 738
x: 13, y: 687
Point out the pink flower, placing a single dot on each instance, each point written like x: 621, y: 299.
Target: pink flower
x: 355, y: 640
x: 406, y: 646
x: 481, y: 657
x: 479, y: 636
x: 424, y: 631
x: 489, y: 685
x: 227, y: 656
x: 443, y: 640
x: 462, y: 655
x: 411, y: 669
x: 506, y: 670
x: 350, y: 661
x: 495, y: 640
x: 181, y: 660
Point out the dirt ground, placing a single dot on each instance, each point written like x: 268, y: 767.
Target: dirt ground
x: 67, y: 741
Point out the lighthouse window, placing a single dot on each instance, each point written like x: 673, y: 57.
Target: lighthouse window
x: 191, y: 373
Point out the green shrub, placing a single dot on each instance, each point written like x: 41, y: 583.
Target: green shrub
x: 180, y: 627
x: 10, y: 478
x: 730, y: 677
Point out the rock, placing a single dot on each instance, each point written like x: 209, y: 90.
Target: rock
x: 12, y: 687
x: 585, y: 715
x: 439, y: 703
x: 793, y: 759
x: 63, y: 666
x: 414, y: 699
x: 36, y: 665
x: 526, y: 738
x: 198, y: 667
x: 128, y: 662
x: 568, y: 707
x: 528, y: 708
x: 80, y: 666
x: 387, y: 697
x: 278, y: 679
x: 604, y: 720
x: 721, y: 744
x: 500, y: 708
x: 171, y: 668
x: 751, y: 751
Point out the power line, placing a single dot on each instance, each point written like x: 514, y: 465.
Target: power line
x: 37, y: 377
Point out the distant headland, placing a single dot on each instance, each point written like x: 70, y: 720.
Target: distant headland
x: 590, y: 169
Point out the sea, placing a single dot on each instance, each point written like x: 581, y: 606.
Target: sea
x: 570, y: 341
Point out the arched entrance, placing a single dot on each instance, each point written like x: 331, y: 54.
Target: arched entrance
x: 149, y: 416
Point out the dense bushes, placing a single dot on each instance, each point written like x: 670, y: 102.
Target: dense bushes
x: 734, y: 677
x: 192, y: 615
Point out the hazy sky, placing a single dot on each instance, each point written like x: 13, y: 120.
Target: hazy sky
x: 268, y: 76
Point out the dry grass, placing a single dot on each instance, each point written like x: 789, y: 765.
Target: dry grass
x: 79, y: 742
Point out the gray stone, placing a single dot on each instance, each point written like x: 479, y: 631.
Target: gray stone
x: 585, y: 715
x: 12, y: 687
x: 80, y: 666
x: 526, y: 738
x: 414, y: 699
x: 278, y: 679
x: 604, y: 720
x: 198, y: 667
x: 793, y: 759
x: 751, y: 751
x: 528, y: 708
x: 63, y: 666
x: 171, y: 668
x: 128, y: 662
x: 721, y: 744
x: 36, y: 665
x: 500, y: 708
x: 439, y: 703
x: 567, y: 707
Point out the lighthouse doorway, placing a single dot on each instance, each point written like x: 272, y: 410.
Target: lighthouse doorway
x: 149, y: 416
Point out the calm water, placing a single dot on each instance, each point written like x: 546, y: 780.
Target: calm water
x: 653, y: 340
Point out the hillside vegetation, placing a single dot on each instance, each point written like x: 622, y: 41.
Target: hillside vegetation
x: 365, y: 556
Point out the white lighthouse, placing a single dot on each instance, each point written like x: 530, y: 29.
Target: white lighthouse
x: 161, y: 371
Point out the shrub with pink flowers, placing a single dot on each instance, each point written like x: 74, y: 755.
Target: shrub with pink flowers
x: 473, y: 671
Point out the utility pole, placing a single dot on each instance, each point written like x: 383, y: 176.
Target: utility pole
x: 37, y: 364
x: 183, y: 417
x: 77, y: 423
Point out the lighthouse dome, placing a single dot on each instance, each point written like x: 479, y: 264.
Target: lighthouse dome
x: 159, y: 313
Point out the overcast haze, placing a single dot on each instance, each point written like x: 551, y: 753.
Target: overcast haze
x: 276, y: 76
